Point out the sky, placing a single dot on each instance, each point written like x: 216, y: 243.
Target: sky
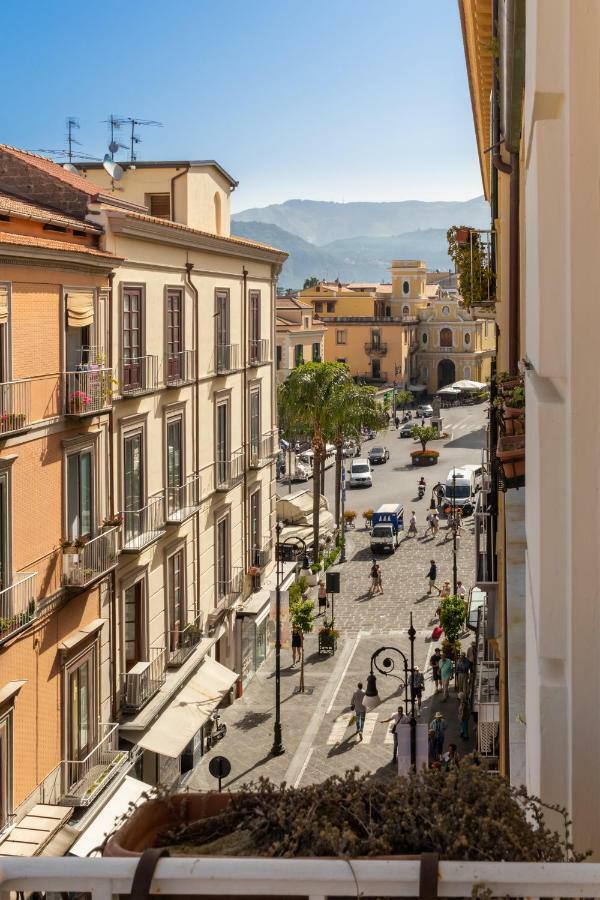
x: 343, y: 100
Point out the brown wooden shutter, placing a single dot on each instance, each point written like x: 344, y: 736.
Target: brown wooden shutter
x: 160, y: 206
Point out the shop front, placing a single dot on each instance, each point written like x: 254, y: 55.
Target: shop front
x: 256, y: 633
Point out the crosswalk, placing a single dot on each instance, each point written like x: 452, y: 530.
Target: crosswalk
x: 345, y: 721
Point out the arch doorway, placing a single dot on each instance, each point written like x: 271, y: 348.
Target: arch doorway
x: 446, y: 373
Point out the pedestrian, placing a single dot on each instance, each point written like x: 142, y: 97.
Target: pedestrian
x: 446, y: 672
x: 412, y: 525
x: 460, y: 590
x: 358, y: 705
x: 429, y: 520
x: 450, y: 759
x: 322, y: 597
x: 431, y: 575
x: 418, y: 686
x: 296, y: 644
x: 374, y: 578
x: 438, y: 726
x: 463, y: 667
x: 423, y: 422
x: 379, y: 580
x: 435, y: 668
x: 464, y: 714
x: 397, y: 421
x: 435, y: 521
x: 398, y: 719
x: 445, y: 591
x: 472, y: 652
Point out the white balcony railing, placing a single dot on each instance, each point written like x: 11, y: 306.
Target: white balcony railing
x: 143, y: 526
x: 317, y: 879
x: 260, y: 451
x: 258, y: 351
x: 15, y: 406
x: 228, y: 357
x: 88, y: 391
x: 229, y: 470
x: 143, y: 680
x: 184, y: 499
x: 17, y: 604
x: 180, y: 368
x: 97, y: 557
x: 139, y: 375
x: 183, y: 640
x: 84, y: 779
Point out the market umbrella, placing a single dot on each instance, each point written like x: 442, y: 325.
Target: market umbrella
x: 453, y: 391
x: 468, y: 385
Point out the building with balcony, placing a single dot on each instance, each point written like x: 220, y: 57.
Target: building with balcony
x: 300, y: 336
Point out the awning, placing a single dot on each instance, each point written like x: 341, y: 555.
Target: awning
x: 417, y: 388
x: 187, y: 713
x: 449, y: 391
x: 80, y: 309
x: 104, y: 823
x: 3, y: 304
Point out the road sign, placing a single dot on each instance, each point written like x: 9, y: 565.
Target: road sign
x: 219, y: 767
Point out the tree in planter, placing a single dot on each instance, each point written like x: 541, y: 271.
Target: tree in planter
x: 424, y: 434
x: 477, y: 279
x: 302, y: 617
x: 453, y: 610
x: 368, y: 517
x: 349, y: 517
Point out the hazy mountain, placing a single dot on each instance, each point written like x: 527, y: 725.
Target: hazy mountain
x: 321, y: 222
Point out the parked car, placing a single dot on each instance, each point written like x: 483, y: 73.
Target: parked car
x: 406, y: 430
x: 378, y: 455
x: 424, y: 411
x: 360, y: 473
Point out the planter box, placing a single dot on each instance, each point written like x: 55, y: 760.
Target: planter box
x: 513, y: 412
x: 327, y: 644
x: 427, y: 458
x: 511, y: 447
x: 513, y: 474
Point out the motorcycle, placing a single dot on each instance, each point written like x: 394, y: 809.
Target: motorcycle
x: 215, y: 729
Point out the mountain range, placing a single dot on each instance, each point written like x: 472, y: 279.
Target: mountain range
x: 356, y: 241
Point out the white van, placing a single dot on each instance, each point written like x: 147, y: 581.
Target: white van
x: 461, y: 487
x: 360, y: 473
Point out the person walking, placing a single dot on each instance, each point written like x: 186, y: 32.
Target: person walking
x: 446, y: 671
x: 464, y: 714
x: 460, y: 590
x: 374, y: 578
x: 412, y: 524
x: 418, y: 686
x: 435, y: 668
x: 438, y: 727
x: 358, y: 705
x: 379, y: 580
x: 463, y: 667
x: 398, y: 719
x: 322, y: 597
x: 450, y: 759
x: 432, y: 576
x: 296, y: 645
x: 435, y: 522
x: 429, y: 520
x: 445, y: 591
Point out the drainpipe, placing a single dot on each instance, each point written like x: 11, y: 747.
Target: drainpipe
x: 112, y: 584
x: 497, y: 160
x: 188, y: 280
x: 513, y: 283
x: 173, y: 180
x: 245, y: 413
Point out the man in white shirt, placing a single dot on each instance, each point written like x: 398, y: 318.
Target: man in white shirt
x: 398, y: 719
x: 358, y: 705
x: 460, y: 590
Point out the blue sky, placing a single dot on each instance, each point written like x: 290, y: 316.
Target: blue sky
x: 321, y: 99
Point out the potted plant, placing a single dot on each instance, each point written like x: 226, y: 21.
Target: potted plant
x: 113, y: 521
x: 424, y: 457
x: 349, y: 517
x: 453, y: 610
x: 79, y: 402
x: 253, y: 570
x: 314, y: 574
x: 510, y: 447
x: 328, y: 636
x: 514, y: 403
x: 368, y: 517
x: 471, y: 258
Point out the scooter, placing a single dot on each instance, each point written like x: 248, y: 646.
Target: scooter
x: 215, y: 728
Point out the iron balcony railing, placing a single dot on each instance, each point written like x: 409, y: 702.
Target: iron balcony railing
x: 84, y: 779
x: 485, y: 541
x: 258, y: 351
x: 183, y: 640
x: 228, y: 357
x: 180, y: 368
x: 260, y: 451
x: 139, y: 375
x: 17, y: 604
x: 376, y: 348
x: 229, y: 470
x: 184, y: 500
x: 15, y: 406
x: 259, y: 557
x: 144, y: 526
x: 230, y: 588
x: 88, y: 391
x: 143, y: 680
x: 97, y: 557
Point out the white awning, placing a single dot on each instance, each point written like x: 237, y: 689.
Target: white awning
x: 187, y: 712
x: 80, y: 308
x: 104, y: 823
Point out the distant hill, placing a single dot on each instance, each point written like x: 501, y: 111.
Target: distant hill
x: 321, y: 222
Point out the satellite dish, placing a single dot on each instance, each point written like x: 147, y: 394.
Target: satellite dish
x: 114, y: 169
x: 113, y: 146
x: 71, y: 168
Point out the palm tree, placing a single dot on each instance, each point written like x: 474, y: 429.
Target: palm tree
x: 307, y: 399
x: 353, y: 405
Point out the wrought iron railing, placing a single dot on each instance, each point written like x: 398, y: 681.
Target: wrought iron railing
x: 260, y: 451
x: 258, y: 351
x: 228, y: 357
x: 15, y: 406
x: 139, y: 375
x: 183, y: 640
x: 180, y: 368
x: 259, y: 557
x: 376, y: 348
x: 88, y: 391
x: 84, y: 779
x: 485, y: 540
x: 17, y: 604
x: 184, y: 499
x: 230, y: 588
x: 143, y: 680
x: 143, y: 526
x: 229, y: 470
x: 97, y: 557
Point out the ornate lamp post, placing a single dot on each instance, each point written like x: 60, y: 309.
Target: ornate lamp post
x: 454, y: 533
x: 386, y: 666
x: 278, y: 748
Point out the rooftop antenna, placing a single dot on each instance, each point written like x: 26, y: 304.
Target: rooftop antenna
x: 136, y: 139
x: 115, y: 123
x: 72, y: 123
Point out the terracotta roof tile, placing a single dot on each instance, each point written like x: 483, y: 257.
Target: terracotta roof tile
x: 54, y: 169
x: 26, y: 240
x: 26, y: 209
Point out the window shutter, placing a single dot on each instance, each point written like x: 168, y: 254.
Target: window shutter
x: 160, y: 206
x: 80, y: 309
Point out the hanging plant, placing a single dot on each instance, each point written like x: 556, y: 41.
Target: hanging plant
x: 468, y: 253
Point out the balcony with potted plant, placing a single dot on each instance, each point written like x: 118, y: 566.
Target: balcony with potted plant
x: 510, y: 450
x: 88, y: 391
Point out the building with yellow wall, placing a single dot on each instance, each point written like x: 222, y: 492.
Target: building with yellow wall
x: 300, y: 336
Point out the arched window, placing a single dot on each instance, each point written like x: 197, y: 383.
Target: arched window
x: 467, y: 338
x: 406, y: 287
x: 217, y: 201
x: 405, y: 310
x: 446, y: 337
x: 424, y: 338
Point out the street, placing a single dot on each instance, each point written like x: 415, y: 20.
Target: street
x: 319, y: 738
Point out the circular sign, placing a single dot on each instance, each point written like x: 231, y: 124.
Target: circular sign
x: 219, y: 767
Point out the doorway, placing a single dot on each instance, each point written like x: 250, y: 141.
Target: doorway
x: 446, y: 373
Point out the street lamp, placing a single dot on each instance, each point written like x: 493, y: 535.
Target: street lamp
x: 386, y: 667
x: 343, y: 505
x: 278, y: 748
x: 454, y: 532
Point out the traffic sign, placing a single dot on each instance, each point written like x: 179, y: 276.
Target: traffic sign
x: 219, y: 767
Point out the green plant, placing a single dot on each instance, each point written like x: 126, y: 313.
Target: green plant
x: 403, y: 399
x: 315, y: 568
x: 294, y: 594
x: 302, y: 616
x: 349, y: 515
x: 516, y: 398
x: 452, y: 616
x: 368, y: 517
x: 303, y: 584
x: 476, y: 277
x: 424, y: 434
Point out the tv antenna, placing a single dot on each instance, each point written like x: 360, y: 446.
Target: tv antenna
x: 115, y: 123
x: 72, y: 124
x: 135, y: 138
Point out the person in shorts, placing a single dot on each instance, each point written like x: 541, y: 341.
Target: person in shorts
x: 435, y: 668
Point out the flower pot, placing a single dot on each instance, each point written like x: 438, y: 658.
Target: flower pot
x: 510, y: 447
x: 513, y: 473
x: 513, y: 412
x: 424, y: 458
x: 461, y: 235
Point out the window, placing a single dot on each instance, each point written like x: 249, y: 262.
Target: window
x: 254, y: 318
x: 6, y: 766
x: 79, y: 332
x: 222, y: 318
x: 278, y: 355
x: 133, y: 481
x: 255, y: 422
x: 375, y: 368
x: 81, y: 710
x: 298, y: 355
x: 424, y: 338
x: 341, y: 359
x: 254, y: 527
x: 330, y: 306
x: 4, y: 337
x: 318, y: 306
x: 306, y: 323
x: 175, y: 463
x: 132, y: 338
x: 223, y: 564
x: 80, y: 494
x: 405, y: 287
x: 133, y: 619
x: 388, y: 311
x: 222, y: 441
x: 159, y: 205
x: 174, y: 325
x: 176, y: 597
x: 340, y: 336
x: 446, y: 337
x: 375, y: 338
x: 467, y: 338
x: 316, y: 352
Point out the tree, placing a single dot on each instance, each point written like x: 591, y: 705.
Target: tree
x: 424, y: 434
x: 452, y: 618
x: 311, y: 282
x: 403, y: 398
x: 307, y: 398
x: 302, y: 617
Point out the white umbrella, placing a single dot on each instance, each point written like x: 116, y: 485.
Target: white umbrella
x: 449, y: 390
x: 468, y: 385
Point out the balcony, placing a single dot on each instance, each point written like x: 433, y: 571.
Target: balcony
x: 183, y: 501
x: 227, y: 592
x: 88, y: 392
x: 17, y: 604
x: 142, y: 527
x: 139, y: 375
x: 180, y: 368
x: 377, y: 378
x: 143, y: 680
x: 183, y: 642
x: 376, y: 348
x: 229, y: 471
x: 84, y: 779
x: 227, y: 358
x: 259, y: 557
x: 258, y: 352
x: 98, y: 556
x: 15, y: 407
x: 260, y: 452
